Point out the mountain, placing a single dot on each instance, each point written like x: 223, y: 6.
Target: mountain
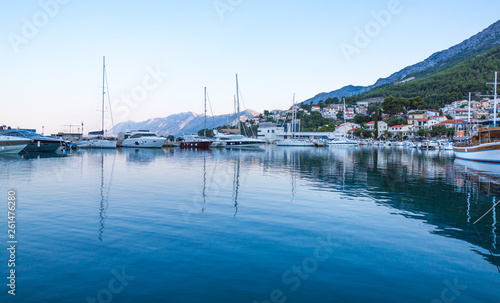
x: 439, y: 61
x: 445, y: 86
x: 177, y: 124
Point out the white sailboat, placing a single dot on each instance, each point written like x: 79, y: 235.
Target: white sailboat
x: 294, y: 141
x: 239, y: 140
x: 97, y: 138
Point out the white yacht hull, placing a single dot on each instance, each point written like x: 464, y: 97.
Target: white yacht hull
x: 156, y: 142
x: 244, y: 144
x: 294, y: 143
x: 98, y: 143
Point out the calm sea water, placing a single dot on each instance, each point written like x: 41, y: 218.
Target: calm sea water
x: 278, y: 225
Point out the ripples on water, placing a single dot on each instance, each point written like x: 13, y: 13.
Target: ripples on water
x: 289, y: 224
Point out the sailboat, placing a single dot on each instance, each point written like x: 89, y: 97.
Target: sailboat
x: 293, y: 141
x: 239, y: 140
x: 97, y: 139
x: 343, y: 141
x: 195, y: 141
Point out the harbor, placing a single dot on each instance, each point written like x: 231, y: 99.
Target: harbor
x: 250, y: 151
x: 176, y: 219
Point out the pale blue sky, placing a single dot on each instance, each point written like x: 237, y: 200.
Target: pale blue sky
x: 53, y: 76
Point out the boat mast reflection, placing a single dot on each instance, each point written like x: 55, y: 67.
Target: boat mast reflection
x: 236, y: 185
x: 104, y: 193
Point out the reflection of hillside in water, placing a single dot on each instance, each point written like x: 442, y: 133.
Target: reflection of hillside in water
x: 427, y: 186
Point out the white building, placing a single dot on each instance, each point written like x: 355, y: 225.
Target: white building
x: 382, y: 127
x: 406, y: 130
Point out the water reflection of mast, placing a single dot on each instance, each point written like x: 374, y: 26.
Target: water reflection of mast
x: 104, y: 197
x: 204, y: 192
x: 293, y: 180
x: 236, y: 185
x: 494, y: 224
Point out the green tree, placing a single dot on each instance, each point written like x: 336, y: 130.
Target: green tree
x: 395, y: 105
x: 395, y: 120
x: 340, y: 115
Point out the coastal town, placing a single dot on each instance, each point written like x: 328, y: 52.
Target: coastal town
x: 275, y: 126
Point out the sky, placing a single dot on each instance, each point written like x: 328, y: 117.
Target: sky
x: 160, y: 54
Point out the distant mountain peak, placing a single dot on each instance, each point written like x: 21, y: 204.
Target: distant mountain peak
x: 182, y: 123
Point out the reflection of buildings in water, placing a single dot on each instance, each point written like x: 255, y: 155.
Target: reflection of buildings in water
x: 423, y: 184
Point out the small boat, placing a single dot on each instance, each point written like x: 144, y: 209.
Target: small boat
x: 427, y: 145
x: 445, y: 145
x: 12, y: 145
x: 342, y: 142
x: 319, y: 143
x: 195, y: 141
x: 37, y: 142
x: 140, y: 138
x: 483, y: 146
x: 411, y: 144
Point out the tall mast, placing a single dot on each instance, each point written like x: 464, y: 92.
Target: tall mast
x: 469, y: 112
x: 293, y: 116
x: 238, y: 104
x: 345, y: 126
x: 103, y: 92
x: 495, y: 103
x: 205, y: 118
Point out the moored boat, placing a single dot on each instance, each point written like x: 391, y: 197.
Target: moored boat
x: 195, y: 141
x: 140, y: 138
x: 12, y: 145
x: 37, y: 142
x: 483, y: 146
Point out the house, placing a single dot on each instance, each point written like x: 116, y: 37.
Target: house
x: 406, y: 130
x: 349, y: 113
x: 450, y: 123
x: 414, y: 116
x: 439, y: 118
x: 432, y: 113
x: 460, y: 113
x: 362, y: 110
x: 315, y: 109
x: 369, y: 101
x: 477, y: 114
x: 344, y: 127
x: 425, y: 124
x: 382, y: 127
